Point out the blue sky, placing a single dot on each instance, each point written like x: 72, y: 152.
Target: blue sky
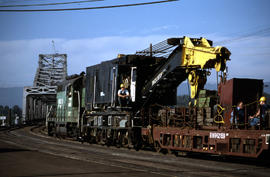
x: 91, y: 36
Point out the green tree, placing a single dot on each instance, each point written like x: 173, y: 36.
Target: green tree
x: 1, y: 110
x: 17, y: 110
x: 5, y: 111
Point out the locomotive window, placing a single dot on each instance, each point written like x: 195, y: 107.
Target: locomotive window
x: 75, y: 99
x: 134, y: 76
x: 91, y: 84
x: 112, y: 73
x: 69, y: 91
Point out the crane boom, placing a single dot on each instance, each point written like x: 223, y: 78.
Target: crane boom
x: 189, y: 60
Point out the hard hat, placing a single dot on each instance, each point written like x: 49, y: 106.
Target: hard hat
x: 122, y: 85
x: 263, y: 98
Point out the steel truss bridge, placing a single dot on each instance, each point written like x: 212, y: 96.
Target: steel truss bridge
x: 39, y: 98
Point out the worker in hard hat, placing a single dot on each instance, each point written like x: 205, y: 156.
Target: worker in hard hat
x: 238, y: 115
x: 263, y: 107
x: 123, y: 96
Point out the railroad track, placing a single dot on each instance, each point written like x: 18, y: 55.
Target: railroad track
x: 134, y: 161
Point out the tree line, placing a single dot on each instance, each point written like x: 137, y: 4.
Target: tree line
x: 10, y: 113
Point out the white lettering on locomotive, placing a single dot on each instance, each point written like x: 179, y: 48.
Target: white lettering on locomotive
x: 159, y: 76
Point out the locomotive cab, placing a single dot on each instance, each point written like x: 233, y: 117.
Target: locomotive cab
x: 127, y: 77
x: 103, y: 80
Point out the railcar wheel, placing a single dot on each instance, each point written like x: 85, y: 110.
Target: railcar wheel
x: 92, y: 136
x: 109, y: 139
x: 99, y: 137
x: 157, y: 147
x: 118, y: 140
x: 126, y: 140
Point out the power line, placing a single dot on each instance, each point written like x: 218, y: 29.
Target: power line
x: 8, y: 1
x: 90, y: 8
x: 51, y: 4
x: 14, y: 1
x: 243, y: 37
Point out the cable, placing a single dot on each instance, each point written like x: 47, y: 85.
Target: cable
x: 9, y: 1
x: 262, y: 31
x: 248, y: 104
x: 90, y: 8
x: 51, y: 4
